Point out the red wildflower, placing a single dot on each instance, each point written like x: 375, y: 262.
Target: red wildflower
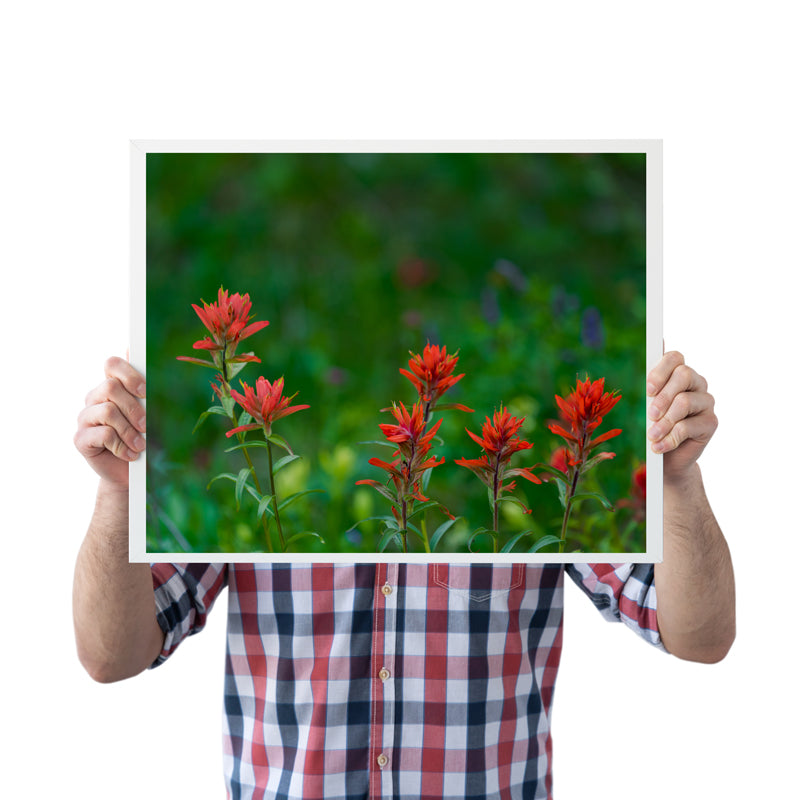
x: 265, y: 405
x: 583, y: 412
x: 638, y: 496
x: 560, y: 461
x: 227, y: 322
x: 432, y: 374
x: 409, y: 432
x: 640, y: 482
x: 410, y: 462
x: 499, y: 443
x: 413, y: 445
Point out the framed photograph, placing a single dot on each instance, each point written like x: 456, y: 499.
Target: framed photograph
x: 396, y: 351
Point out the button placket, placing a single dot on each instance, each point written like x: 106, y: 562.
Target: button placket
x: 386, y: 668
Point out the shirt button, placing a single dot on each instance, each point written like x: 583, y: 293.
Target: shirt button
x: 384, y: 674
x: 386, y: 589
x: 382, y: 760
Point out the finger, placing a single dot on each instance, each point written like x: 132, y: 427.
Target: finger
x: 112, y: 391
x: 685, y: 404
x: 696, y: 429
x: 108, y: 415
x: 659, y: 375
x: 682, y: 379
x: 93, y: 441
x: 130, y: 378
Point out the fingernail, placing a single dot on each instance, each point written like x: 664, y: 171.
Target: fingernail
x: 651, y: 388
x: 141, y: 390
x: 138, y: 443
x: 653, y: 432
x: 131, y: 456
x: 653, y: 412
x: 142, y: 424
x: 658, y: 446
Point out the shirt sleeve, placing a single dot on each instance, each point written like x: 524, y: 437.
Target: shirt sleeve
x: 184, y: 595
x: 622, y: 593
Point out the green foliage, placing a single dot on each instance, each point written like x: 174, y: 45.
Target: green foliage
x: 532, y: 266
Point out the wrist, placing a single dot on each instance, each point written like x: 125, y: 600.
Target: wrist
x: 111, y: 491
x: 683, y: 480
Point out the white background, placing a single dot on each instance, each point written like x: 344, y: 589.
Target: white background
x: 715, y: 81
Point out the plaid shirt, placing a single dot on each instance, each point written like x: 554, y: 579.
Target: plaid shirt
x: 392, y: 680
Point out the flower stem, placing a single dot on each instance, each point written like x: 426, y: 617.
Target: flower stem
x: 498, y: 482
x: 233, y: 416
x: 424, y: 528
x: 275, y: 496
x: 257, y: 484
x: 568, y: 509
x: 404, y: 523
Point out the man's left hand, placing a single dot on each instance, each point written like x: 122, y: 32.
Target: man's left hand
x: 682, y: 413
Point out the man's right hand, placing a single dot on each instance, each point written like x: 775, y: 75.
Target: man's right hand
x: 111, y: 425
x: 116, y: 629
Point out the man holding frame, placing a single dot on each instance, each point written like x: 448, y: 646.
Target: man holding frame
x: 394, y: 680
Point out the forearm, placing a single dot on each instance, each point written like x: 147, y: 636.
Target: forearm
x: 694, y: 584
x: 114, y: 611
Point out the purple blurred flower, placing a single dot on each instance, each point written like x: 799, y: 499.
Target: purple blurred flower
x: 592, y: 332
x: 512, y: 273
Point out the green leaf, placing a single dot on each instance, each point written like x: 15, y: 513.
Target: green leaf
x: 388, y: 520
x: 594, y: 460
x: 297, y: 536
x: 381, y: 443
x: 509, y: 545
x: 426, y: 478
x: 479, y: 532
x: 282, y: 462
x: 385, y: 492
x: 263, y: 506
x: 241, y: 480
x: 562, y: 495
x: 228, y: 404
x: 606, y: 503
x: 292, y: 497
x: 235, y: 367
x: 422, y: 507
x: 441, y: 531
x: 544, y: 542
x: 280, y: 441
x: 229, y: 476
x: 245, y: 445
x: 387, y: 537
x: 416, y: 531
x: 511, y: 499
x: 199, y: 361
x: 218, y: 410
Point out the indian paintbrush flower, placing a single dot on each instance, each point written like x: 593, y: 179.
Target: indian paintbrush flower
x: 228, y: 322
x: 411, y: 460
x: 499, y: 442
x: 432, y: 375
x: 265, y: 404
x: 637, y: 501
x: 581, y: 413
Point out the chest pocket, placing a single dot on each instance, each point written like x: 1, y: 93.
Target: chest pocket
x: 479, y: 582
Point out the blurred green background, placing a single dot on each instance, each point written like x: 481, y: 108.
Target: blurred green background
x: 532, y: 266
